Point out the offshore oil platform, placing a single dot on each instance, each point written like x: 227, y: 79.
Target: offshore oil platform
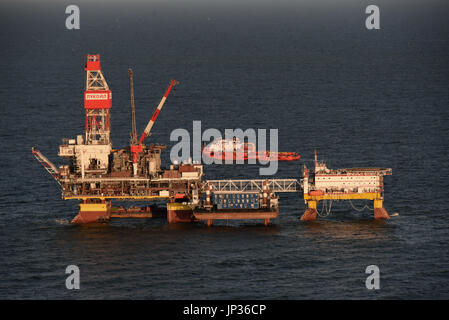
x: 98, y: 174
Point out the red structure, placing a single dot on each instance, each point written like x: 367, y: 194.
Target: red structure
x: 97, y: 102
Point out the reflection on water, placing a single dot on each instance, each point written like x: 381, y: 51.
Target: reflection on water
x: 62, y: 221
x: 356, y: 230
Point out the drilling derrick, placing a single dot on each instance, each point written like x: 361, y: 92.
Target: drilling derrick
x: 90, y: 156
x: 97, y: 103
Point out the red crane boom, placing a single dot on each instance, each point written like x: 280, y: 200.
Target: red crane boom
x: 150, y: 124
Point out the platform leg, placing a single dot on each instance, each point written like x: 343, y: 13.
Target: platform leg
x: 179, y: 213
x: 379, y: 210
x: 266, y: 222
x: 209, y: 222
x: 310, y: 213
x: 94, y: 210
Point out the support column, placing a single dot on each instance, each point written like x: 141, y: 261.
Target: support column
x: 93, y: 210
x: 179, y: 213
x: 379, y: 210
x: 265, y: 194
x: 310, y: 213
x: 208, y: 194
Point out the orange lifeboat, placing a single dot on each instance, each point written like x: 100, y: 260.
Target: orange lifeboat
x: 235, y: 150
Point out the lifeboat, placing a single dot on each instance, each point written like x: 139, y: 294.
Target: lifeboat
x: 236, y: 150
x: 278, y: 156
x: 288, y: 156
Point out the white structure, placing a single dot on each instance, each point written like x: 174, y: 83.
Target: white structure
x: 86, y: 157
x: 351, y: 180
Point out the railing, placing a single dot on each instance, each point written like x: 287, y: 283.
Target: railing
x: 252, y: 185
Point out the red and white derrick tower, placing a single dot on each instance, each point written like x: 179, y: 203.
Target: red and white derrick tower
x: 92, y: 155
x: 97, y: 103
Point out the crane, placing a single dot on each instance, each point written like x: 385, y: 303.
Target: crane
x: 136, y: 146
x: 147, y: 131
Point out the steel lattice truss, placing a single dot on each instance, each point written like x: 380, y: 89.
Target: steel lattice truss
x: 50, y: 167
x: 253, y: 185
x: 95, y: 81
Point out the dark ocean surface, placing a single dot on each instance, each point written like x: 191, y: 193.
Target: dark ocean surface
x: 310, y: 69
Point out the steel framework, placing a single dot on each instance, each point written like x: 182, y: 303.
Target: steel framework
x: 252, y: 185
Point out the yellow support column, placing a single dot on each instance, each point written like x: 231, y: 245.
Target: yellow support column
x: 93, y: 210
x: 179, y: 213
x: 310, y: 213
x: 379, y: 210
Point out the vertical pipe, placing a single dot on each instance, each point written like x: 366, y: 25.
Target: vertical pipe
x: 133, y: 112
x: 208, y: 201
x: 82, y: 164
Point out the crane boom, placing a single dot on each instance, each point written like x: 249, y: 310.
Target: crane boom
x: 133, y: 112
x: 48, y: 165
x: 150, y: 124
